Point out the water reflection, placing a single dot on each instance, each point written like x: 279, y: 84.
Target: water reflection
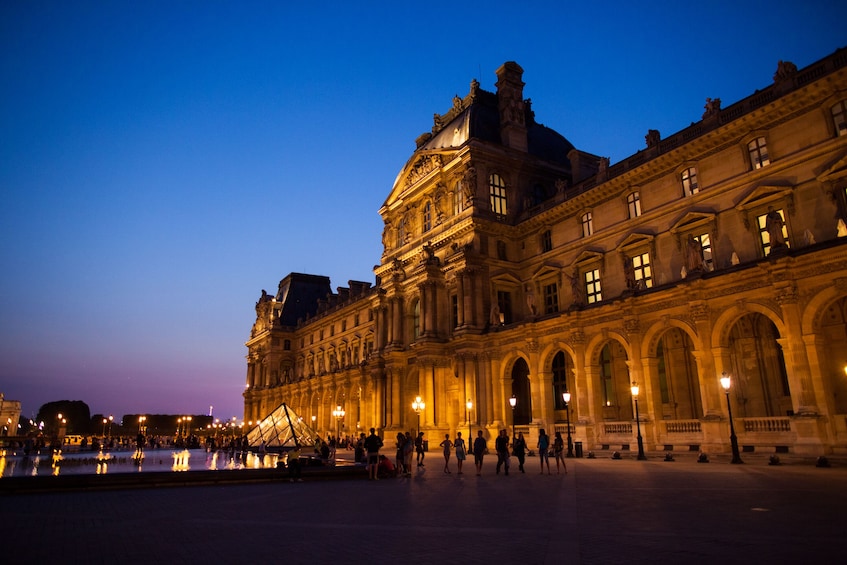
x: 14, y: 464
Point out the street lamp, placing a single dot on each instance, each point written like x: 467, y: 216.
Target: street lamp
x: 104, y: 427
x: 186, y: 429
x: 469, y: 406
x: 566, y: 396
x: 339, y: 415
x: 418, y: 405
x: 313, y: 421
x: 513, y: 401
x: 111, y: 419
x: 726, y: 382
x: 641, y: 456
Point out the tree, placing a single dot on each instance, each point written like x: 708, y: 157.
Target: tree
x: 75, y: 412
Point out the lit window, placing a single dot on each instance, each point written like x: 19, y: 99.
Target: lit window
x: 706, y: 245
x: 773, y: 233
x: 546, y: 241
x: 641, y: 270
x: 551, y: 298
x: 497, y: 191
x: 689, y: 181
x: 427, y: 217
x: 839, y: 118
x: 401, y: 233
x: 758, y: 149
x: 458, y: 199
x: 587, y: 224
x: 592, y: 286
x: 633, y: 202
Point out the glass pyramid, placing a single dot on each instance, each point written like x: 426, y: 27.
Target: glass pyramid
x: 283, y: 429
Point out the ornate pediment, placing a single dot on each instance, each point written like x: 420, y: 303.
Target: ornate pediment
x: 766, y: 195
x: 635, y: 240
x: 422, y: 167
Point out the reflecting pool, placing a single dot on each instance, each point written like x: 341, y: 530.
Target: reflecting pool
x: 47, y: 462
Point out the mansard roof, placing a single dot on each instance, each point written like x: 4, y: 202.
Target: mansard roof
x: 299, y: 295
x: 477, y: 117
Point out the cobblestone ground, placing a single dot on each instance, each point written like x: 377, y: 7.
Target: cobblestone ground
x: 602, y: 511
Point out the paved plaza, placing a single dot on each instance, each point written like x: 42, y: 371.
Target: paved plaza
x: 602, y: 511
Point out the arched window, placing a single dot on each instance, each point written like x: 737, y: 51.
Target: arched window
x: 689, y: 182
x: 633, y: 203
x: 560, y: 379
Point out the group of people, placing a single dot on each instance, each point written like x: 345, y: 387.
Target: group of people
x: 405, y: 445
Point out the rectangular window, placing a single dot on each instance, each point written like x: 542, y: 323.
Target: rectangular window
x: 504, y: 302
x: 689, y: 182
x: 839, y: 118
x: 642, y: 271
x: 633, y: 202
x: 454, y: 309
x: 427, y: 217
x: 546, y: 241
x: 592, y: 286
x: 551, y: 298
x: 458, y: 199
x: 773, y: 233
x: 497, y: 191
x: 758, y: 149
x: 706, y: 245
x: 587, y: 224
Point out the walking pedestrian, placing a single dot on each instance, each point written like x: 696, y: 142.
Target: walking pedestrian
x: 447, y: 445
x: 559, y: 452
x: 519, y: 447
x: 408, y: 448
x: 460, y: 451
x: 501, y: 445
x: 479, y: 448
x: 543, y: 445
x: 419, y: 450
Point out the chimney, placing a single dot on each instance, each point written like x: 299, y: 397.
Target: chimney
x: 511, y: 105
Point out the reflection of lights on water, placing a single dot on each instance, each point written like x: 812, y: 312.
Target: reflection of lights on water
x: 57, y: 458
x: 103, y: 462
x: 181, y: 460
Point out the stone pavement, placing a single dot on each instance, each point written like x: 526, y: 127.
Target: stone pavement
x: 603, y: 511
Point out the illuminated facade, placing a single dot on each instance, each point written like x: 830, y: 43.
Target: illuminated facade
x: 517, y: 265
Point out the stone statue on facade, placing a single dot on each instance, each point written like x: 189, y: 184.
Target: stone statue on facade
x: 712, y: 107
x: 694, y: 255
x: 773, y: 225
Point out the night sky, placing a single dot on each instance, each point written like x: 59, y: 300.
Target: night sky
x: 163, y: 162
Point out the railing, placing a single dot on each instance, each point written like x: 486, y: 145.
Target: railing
x: 563, y: 428
x: 618, y: 428
x: 683, y: 427
x: 756, y: 425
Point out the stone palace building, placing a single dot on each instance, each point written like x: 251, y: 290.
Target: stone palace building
x: 517, y: 268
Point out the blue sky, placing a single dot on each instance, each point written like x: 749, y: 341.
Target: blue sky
x: 163, y: 162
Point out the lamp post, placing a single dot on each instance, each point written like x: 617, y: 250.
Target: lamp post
x: 111, y: 419
x: 339, y: 415
x: 313, y: 421
x: 726, y: 382
x: 418, y: 405
x: 186, y: 428
x: 469, y: 406
x: 566, y: 396
x: 513, y: 401
x: 641, y: 456
x: 104, y: 428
